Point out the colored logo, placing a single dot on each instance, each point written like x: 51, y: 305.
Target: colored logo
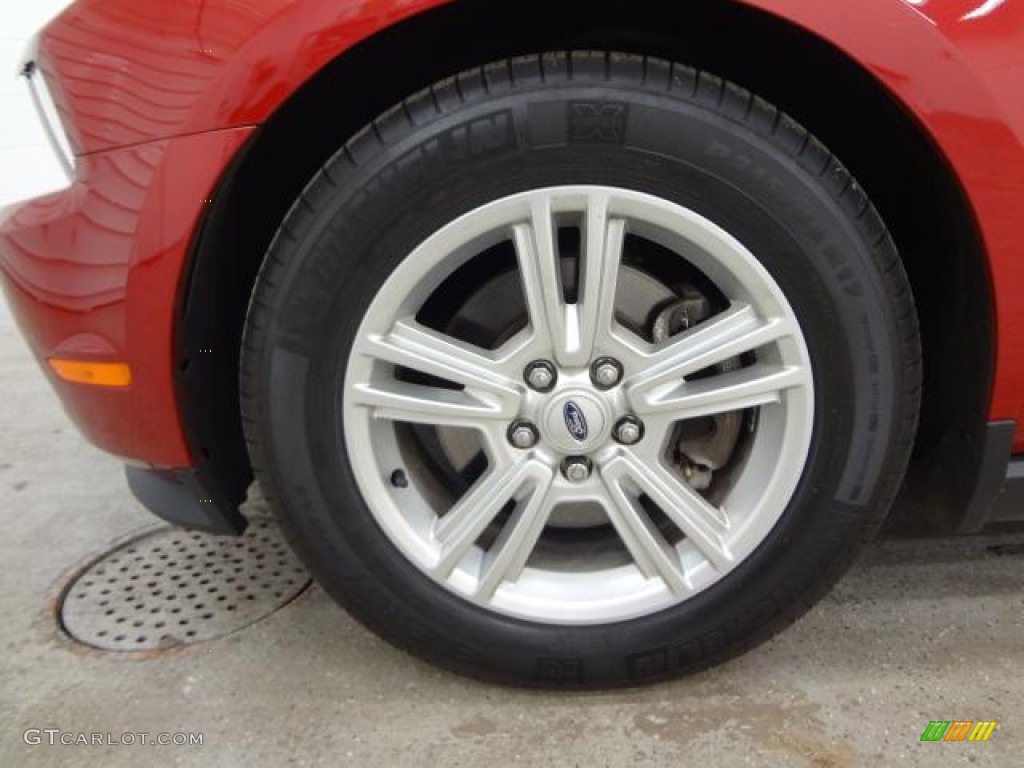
x: 958, y: 730
x: 575, y: 421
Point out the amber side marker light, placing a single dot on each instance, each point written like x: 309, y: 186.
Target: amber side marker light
x: 97, y: 374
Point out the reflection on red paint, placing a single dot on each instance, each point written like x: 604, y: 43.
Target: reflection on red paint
x: 92, y: 274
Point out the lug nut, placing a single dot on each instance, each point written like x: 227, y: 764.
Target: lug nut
x: 576, y: 469
x: 523, y: 435
x: 629, y: 430
x: 606, y: 373
x: 541, y: 375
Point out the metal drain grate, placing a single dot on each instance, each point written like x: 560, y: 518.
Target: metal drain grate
x: 175, y: 587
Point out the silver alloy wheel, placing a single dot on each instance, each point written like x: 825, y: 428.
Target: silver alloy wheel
x: 520, y: 488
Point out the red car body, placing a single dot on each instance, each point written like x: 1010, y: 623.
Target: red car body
x: 160, y: 100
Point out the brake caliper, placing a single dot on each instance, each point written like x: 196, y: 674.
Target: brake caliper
x: 700, y: 446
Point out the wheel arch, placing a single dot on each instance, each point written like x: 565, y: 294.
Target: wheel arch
x: 890, y: 152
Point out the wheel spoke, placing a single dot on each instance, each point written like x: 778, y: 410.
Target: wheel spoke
x: 571, y: 329
x: 507, y: 557
x: 414, y: 346
x: 704, y: 525
x: 648, y: 548
x: 734, y: 332
x: 751, y: 387
x: 462, y: 525
x: 487, y: 395
x: 418, y: 404
x: 601, y: 258
x: 542, y: 285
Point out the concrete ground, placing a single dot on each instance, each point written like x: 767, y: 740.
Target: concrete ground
x: 918, y: 631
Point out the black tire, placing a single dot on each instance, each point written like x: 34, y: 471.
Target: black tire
x: 583, y: 118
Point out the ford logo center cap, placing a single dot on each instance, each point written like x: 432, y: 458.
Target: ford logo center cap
x: 575, y: 421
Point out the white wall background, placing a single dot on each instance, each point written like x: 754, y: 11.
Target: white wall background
x: 27, y: 165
